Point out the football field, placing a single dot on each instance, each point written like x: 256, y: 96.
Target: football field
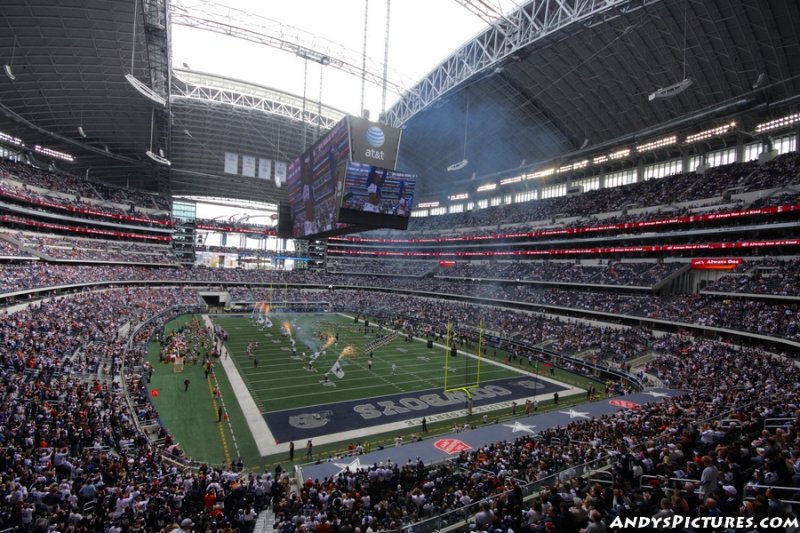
x: 282, y: 380
x: 292, y: 380
x: 328, y: 378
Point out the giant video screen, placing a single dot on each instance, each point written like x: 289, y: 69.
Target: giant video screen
x: 312, y: 183
x: 376, y: 197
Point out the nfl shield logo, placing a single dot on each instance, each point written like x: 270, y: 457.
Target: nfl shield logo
x: 451, y: 446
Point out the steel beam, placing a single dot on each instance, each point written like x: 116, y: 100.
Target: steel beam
x: 518, y: 29
x: 250, y: 27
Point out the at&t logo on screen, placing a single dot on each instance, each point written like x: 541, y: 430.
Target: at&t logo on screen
x: 375, y: 139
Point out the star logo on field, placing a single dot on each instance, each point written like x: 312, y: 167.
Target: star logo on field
x: 656, y: 394
x: 516, y: 426
x: 353, y: 466
x: 575, y: 414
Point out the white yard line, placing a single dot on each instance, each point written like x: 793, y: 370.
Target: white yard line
x: 266, y: 441
x: 252, y: 414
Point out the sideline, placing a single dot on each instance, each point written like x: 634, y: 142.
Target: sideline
x: 252, y: 415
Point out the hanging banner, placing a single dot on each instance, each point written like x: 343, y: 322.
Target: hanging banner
x: 231, y: 163
x: 264, y: 168
x: 249, y: 166
x: 280, y: 172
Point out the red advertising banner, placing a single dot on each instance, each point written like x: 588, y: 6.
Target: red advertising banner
x: 78, y: 229
x: 646, y: 224
x: 604, y: 250
x: 716, y: 263
x: 83, y: 210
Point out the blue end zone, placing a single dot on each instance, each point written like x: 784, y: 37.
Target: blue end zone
x: 310, y: 422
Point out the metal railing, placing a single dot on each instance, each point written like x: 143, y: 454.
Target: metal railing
x: 775, y: 423
x: 464, y: 514
x: 751, y: 490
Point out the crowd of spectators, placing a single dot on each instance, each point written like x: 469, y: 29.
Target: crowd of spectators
x: 614, y: 273
x: 247, y: 252
x: 777, y: 319
x: 48, y: 202
x: 773, y: 276
x: 64, y: 183
x: 774, y: 319
x: 685, y: 187
x: 697, y: 467
x: 56, y: 460
x: 784, y: 197
x: 382, y: 266
x: 669, y: 216
x: 8, y: 249
x: 76, y: 248
x: 73, y: 458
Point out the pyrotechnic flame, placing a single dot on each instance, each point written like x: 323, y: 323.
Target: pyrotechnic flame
x: 328, y: 342
x: 348, y: 352
x: 288, y: 327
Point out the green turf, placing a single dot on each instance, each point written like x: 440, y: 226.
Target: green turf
x: 192, y: 419
x: 281, y: 382
x: 190, y: 415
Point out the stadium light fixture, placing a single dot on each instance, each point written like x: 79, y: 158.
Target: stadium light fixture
x: 707, y: 134
x: 54, y: 153
x: 577, y: 165
x: 509, y: 181
x: 541, y: 173
x: 659, y: 143
x: 778, y: 123
x: 4, y: 137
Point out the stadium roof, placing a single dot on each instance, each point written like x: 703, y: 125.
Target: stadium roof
x: 550, y: 79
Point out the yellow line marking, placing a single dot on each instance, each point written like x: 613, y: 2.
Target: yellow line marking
x: 219, y: 424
